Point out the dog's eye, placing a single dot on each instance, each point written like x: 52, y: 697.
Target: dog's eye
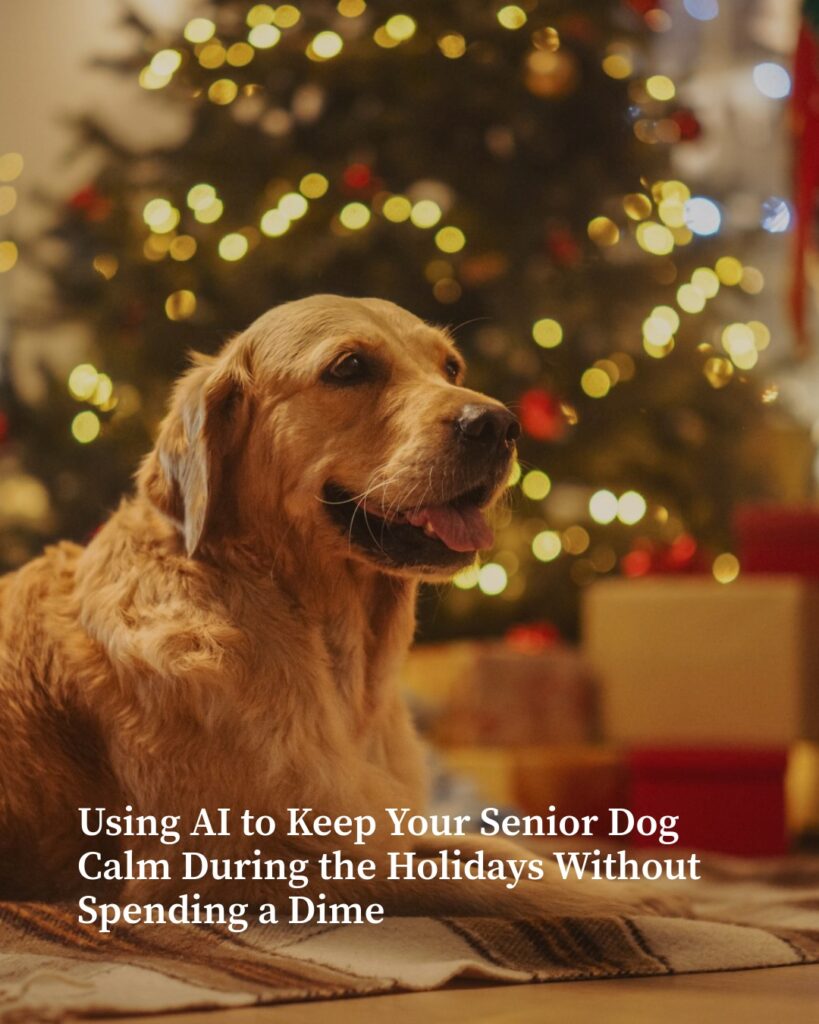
x: 452, y: 368
x: 349, y: 369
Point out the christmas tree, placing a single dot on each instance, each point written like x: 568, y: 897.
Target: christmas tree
x: 503, y: 170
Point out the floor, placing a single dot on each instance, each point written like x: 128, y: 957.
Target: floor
x: 750, y: 997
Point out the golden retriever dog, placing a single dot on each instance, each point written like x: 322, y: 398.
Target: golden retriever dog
x: 232, y: 636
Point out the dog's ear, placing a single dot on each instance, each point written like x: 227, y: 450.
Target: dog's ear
x: 184, y: 475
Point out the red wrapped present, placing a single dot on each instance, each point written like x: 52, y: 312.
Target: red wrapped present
x: 779, y: 539
x: 729, y: 800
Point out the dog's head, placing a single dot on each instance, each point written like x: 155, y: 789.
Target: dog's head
x: 337, y: 422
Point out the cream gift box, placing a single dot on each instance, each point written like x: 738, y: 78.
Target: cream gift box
x: 491, y: 694
x: 687, y: 660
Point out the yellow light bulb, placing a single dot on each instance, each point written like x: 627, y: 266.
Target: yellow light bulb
x: 199, y: 30
x: 82, y: 381
x: 725, y: 568
x: 673, y: 189
x: 657, y: 331
x: 637, y: 205
x: 397, y: 209
x: 452, y: 45
x: 603, y: 231
x: 603, y: 506
x: 354, y: 216
x: 547, y: 333
x: 326, y: 45
x: 351, y: 9
x: 274, y: 223
x: 658, y: 351
x: 401, y: 27
x: 212, y: 56
x: 8, y: 256
x: 690, y: 298
x: 183, y: 248
x: 263, y: 37
x: 492, y: 579
x: 729, y: 270
x: 223, y: 91
x: 762, y: 335
x: 425, y: 213
x: 512, y: 17
x: 260, y: 14
x: 631, y: 507
x: 536, y: 485
x: 706, y: 280
x: 210, y: 213
x: 314, y: 185
x: 617, y: 65
x: 655, y: 238
x: 180, y: 305
x: 165, y: 62
x: 200, y: 196
x: 546, y: 546
x: 240, y: 54
x: 467, y: 578
x: 293, y: 205
x: 233, y: 247
x: 85, y: 426
x: 11, y: 166
x: 450, y: 239
x: 287, y: 16
x: 660, y: 87
x: 595, y: 382
x: 156, y: 211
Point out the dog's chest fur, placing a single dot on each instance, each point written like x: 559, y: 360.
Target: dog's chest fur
x: 203, y: 688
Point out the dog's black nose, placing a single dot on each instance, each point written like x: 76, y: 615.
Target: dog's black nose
x: 487, y: 425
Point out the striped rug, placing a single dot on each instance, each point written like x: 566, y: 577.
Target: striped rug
x: 746, y: 915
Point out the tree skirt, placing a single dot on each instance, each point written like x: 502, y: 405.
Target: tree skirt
x: 747, y: 914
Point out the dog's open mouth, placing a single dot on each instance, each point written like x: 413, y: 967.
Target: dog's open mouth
x: 445, y: 534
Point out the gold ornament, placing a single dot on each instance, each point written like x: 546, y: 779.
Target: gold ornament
x: 550, y: 74
x: 718, y: 371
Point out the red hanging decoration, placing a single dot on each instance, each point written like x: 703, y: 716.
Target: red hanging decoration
x: 541, y: 416
x: 563, y: 247
x: 805, y: 110
x: 357, y: 176
x: 533, y: 636
x: 91, y: 203
x: 688, y: 125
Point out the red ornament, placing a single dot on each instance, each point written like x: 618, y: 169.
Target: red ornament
x: 636, y: 563
x: 358, y: 176
x: 682, y: 553
x: 91, y: 203
x: 533, y: 636
x: 541, y: 416
x: 681, y: 556
x: 690, y: 128
x: 563, y: 247
x: 642, y: 7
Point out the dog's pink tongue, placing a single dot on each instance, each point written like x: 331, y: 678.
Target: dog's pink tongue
x: 461, y: 529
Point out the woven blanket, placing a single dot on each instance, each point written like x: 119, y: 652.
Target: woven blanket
x: 746, y: 915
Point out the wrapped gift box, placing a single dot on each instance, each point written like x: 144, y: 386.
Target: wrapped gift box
x: 691, y: 661
x: 728, y: 800
x: 493, y: 693
x: 576, y: 779
x: 779, y: 539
